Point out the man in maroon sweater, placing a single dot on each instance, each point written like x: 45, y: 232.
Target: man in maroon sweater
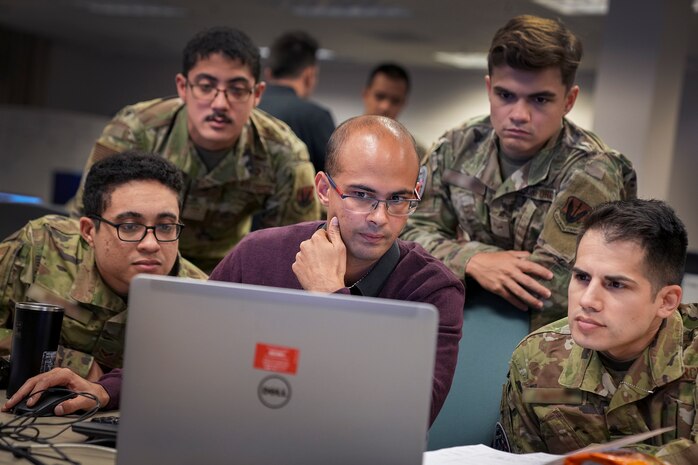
x: 369, y: 187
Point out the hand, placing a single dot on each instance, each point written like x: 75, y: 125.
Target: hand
x: 60, y: 377
x: 95, y: 372
x: 322, y: 261
x: 509, y: 274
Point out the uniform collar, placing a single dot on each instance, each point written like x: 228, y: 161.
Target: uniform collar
x: 659, y: 364
x: 532, y: 173
x: 88, y: 286
x: 180, y: 149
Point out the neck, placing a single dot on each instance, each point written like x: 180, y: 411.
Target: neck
x: 357, y: 271
x: 295, y: 84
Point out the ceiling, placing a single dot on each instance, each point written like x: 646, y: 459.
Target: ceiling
x: 416, y: 30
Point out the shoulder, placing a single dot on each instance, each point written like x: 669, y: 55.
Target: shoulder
x: 419, y: 268
x: 589, y: 149
x: 275, y: 135
x: 285, y: 237
x: 553, y: 341
x: 51, y: 239
x: 466, y: 137
x: 188, y: 270
x: 150, y: 114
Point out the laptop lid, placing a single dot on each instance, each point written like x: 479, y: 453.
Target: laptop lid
x: 240, y: 374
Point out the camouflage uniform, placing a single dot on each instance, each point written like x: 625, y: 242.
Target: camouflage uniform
x: 48, y: 261
x: 560, y: 397
x: 267, y: 171
x: 467, y: 208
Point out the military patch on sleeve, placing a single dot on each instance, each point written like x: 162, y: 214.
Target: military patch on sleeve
x: 570, y: 216
x: 422, y: 180
x: 500, y: 441
x: 304, y: 196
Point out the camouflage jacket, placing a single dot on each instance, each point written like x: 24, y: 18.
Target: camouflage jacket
x: 268, y: 172
x: 48, y: 261
x: 560, y: 397
x: 467, y: 208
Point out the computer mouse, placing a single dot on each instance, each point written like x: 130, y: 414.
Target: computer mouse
x: 47, y: 402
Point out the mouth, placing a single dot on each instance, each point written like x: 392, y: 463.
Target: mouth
x: 515, y: 132
x: 587, y: 324
x: 218, y: 119
x: 372, y: 238
x: 147, y: 266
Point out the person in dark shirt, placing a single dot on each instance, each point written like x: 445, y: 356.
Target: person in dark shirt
x: 369, y: 188
x: 292, y: 74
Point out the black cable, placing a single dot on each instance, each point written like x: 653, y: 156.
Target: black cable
x: 25, y: 428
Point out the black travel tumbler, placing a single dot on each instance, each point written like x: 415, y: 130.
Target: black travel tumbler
x: 35, y: 336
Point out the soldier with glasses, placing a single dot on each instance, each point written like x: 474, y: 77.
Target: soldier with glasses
x: 369, y: 188
x: 131, y: 225
x: 237, y: 161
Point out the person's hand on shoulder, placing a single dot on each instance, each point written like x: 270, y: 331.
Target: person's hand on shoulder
x: 322, y: 260
x: 59, y: 377
x: 510, y: 275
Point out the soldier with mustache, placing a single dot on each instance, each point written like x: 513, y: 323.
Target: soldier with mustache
x: 237, y: 161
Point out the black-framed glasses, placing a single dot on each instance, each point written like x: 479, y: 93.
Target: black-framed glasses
x: 365, y: 204
x: 208, y: 92
x: 135, y: 232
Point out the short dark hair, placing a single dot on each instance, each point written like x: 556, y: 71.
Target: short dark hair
x: 654, y: 226
x: 291, y: 53
x: 132, y: 165
x: 378, y: 124
x: 531, y: 43
x: 392, y: 71
x: 232, y: 43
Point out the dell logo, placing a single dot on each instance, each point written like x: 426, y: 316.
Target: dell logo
x: 274, y: 391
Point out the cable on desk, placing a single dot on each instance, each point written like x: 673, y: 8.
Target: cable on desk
x: 17, y: 428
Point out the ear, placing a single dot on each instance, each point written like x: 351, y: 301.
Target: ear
x: 322, y: 187
x: 258, y: 91
x: 669, y: 298
x: 87, y: 230
x: 181, y: 84
x: 570, y: 98
x: 488, y: 83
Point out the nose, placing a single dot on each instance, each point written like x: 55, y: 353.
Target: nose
x: 149, y: 243
x: 590, y: 298
x: 379, y: 215
x: 520, y: 112
x: 220, y: 100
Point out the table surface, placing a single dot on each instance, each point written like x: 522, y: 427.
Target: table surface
x: 70, y: 443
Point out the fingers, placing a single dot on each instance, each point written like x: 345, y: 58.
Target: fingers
x: 533, y: 268
x: 333, y: 231
x: 73, y: 405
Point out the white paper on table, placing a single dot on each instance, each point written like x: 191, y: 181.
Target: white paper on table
x: 480, y: 454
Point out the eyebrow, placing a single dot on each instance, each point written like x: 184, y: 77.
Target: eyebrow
x: 544, y: 93
x: 136, y: 215
x: 369, y: 189
x: 235, y: 80
x: 619, y: 278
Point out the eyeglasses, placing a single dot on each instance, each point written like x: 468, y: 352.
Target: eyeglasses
x: 209, y: 92
x: 135, y: 232
x: 365, y: 204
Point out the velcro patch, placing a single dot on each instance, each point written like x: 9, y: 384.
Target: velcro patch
x: 570, y: 216
x: 304, y: 196
x: 551, y: 396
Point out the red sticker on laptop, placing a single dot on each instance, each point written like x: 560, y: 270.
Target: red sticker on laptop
x: 276, y: 358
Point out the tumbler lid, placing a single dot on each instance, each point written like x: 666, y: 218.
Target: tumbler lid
x: 38, y: 306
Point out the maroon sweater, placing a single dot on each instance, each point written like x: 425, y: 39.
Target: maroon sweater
x: 265, y: 257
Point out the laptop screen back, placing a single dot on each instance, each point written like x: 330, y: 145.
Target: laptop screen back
x: 239, y: 374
